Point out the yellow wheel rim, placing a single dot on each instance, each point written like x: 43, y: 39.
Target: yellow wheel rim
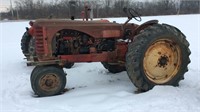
x: 162, y: 61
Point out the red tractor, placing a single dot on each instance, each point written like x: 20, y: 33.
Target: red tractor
x: 151, y: 53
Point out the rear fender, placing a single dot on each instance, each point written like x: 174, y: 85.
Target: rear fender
x: 145, y: 25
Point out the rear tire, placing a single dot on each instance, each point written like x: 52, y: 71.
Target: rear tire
x: 48, y: 80
x: 69, y: 65
x: 113, y: 68
x: 158, y: 55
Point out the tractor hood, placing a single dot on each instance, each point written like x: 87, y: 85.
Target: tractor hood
x: 65, y: 22
x: 103, y: 27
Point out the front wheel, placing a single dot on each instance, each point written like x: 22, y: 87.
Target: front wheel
x: 158, y: 55
x: 48, y: 80
x: 25, y: 42
x: 31, y: 47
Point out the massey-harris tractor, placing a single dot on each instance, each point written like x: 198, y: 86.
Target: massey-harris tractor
x: 151, y: 53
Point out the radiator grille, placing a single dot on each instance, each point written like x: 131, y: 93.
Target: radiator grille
x: 39, y: 41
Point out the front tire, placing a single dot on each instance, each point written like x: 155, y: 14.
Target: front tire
x: 48, y: 80
x: 25, y: 43
x: 158, y: 55
x: 31, y: 47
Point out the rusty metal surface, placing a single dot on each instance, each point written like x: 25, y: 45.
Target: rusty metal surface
x: 112, y: 57
x: 94, y: 57
x: 122, y: 48
x: 111, y: 33
x: 46, y: 29
x: 93, y: 28
x: 144, y: 25
x: 48, y: 62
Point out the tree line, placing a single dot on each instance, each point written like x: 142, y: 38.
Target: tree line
x: 33, y: 9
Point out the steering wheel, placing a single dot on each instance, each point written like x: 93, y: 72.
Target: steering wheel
x: 131, y: 13
x: 134, y: 14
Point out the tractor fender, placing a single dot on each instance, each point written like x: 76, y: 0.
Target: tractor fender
x: 145, y: 25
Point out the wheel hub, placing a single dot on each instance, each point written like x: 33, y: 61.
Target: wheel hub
x: 49, y: 82
x: 162, y: 61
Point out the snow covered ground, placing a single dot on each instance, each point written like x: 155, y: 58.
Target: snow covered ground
x: 95, y: 89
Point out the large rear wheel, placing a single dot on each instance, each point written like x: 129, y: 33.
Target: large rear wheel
x: 113, y: 68
x: 68, y: 65
x: 158, y: 55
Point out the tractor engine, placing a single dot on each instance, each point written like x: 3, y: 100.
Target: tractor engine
x: 73, y: 42
x: 106, y: 45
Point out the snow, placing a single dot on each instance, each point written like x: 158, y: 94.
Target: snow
x: 93, y: 88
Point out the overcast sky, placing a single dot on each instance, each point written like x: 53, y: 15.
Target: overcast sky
x: 5, y: 4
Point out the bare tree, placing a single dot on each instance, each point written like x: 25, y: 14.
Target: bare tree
x: 32, y: 9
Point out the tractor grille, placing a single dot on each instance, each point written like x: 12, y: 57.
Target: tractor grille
x: 39, y: 41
